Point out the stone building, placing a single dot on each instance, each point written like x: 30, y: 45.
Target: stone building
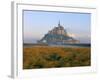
x: 58, y: 35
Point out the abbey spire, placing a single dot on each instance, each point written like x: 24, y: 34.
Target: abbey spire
x: 59, y: 24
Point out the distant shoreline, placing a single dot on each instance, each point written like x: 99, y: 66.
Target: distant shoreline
x: 56, y: 45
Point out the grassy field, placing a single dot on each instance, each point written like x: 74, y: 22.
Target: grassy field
x: 50, y: 57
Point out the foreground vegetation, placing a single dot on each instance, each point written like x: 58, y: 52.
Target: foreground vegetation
x: 49, y: 57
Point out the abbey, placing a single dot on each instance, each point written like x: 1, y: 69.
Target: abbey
x: 58, y: 35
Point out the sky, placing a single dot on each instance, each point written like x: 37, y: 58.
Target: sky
x: 37, y: 23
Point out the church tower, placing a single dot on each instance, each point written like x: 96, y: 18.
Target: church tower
x: 60, y: 29
x: 59, y: 24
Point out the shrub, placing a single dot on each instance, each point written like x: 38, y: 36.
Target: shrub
x: 53, y: 57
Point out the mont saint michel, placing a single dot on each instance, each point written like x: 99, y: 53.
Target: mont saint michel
x: 58, y: 35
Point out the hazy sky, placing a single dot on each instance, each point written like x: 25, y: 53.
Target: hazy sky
x: 37, y: 23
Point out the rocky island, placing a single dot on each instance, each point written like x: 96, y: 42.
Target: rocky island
x: 58, y: 35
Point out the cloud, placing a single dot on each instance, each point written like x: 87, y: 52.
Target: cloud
x: 84, y: 35
x: 72, y: 35
x: 84, y: 38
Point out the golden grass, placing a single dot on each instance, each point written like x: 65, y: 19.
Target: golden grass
x: 49, y: 57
